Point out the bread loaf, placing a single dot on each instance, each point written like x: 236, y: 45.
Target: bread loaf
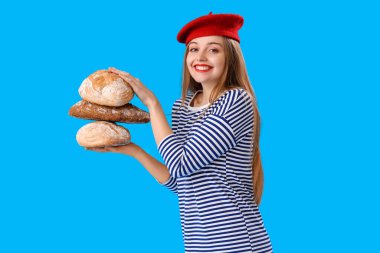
x: 127, y: 113
x: 106, y: 88
x: 102, y: 134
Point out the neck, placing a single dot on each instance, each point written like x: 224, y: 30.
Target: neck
x: 207, y: 88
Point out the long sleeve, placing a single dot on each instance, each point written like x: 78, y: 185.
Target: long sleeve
x: 220, y: 131
x: 171, y: 184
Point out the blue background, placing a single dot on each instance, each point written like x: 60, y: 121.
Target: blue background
x: 314, y: 66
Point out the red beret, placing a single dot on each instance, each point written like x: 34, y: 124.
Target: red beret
x: 212, y: 24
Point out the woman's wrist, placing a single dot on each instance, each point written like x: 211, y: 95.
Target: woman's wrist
x: 153, y: 103
x: 137, y: 152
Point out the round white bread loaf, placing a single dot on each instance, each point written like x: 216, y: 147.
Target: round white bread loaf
x: 102, y: 134
x: 106, y: 88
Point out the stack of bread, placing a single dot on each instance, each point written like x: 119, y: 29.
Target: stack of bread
x: 105, y: 98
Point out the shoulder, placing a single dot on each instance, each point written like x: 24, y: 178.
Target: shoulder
x: 177, y: 103
x: 234, y: 95
x: 240, y: 95
x: 236, y: 99
x: 238, y: 92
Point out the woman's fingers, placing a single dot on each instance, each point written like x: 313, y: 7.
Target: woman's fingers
x: 128, y: 80
x: 111, y: 149
x: 144, y: 94
x: 124, y: 75
x: 98, y: 149
x: 116, y: 71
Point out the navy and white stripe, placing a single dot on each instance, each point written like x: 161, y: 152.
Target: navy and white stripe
x: 209, y: 162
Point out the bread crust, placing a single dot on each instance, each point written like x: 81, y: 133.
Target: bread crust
x: 106, y: 88
x: 102, y: 134
x: 127, y: 113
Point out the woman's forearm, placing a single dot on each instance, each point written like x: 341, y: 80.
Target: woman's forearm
x: 161, y: 129
x: 160, y: 125
x: 158, y: 170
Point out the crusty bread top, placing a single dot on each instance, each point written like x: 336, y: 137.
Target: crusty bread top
x: 106, y: 88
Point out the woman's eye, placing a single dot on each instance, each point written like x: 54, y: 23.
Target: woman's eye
x: 194, y: 49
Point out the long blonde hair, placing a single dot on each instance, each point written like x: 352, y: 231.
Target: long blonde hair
x: 234, y: 76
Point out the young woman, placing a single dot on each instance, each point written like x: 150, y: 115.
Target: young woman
x: 211, y: 153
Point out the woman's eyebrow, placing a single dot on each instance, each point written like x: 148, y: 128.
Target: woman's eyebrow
x: 207, y: 43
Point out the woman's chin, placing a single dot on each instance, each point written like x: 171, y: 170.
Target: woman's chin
x: 201, y: 80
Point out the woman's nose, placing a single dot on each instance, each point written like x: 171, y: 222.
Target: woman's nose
x: 201, y: 56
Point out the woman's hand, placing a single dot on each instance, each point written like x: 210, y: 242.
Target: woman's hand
x: 130, y: 149
x: 143, y: 93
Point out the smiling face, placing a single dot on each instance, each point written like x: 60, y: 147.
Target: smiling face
x: 206, y: 59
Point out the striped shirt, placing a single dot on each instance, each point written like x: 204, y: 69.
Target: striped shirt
x: 209, y: 162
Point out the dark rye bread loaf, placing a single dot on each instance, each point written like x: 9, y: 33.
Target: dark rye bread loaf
x: 127, y: 113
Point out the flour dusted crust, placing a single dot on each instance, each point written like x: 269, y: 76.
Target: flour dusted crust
x: 127, y: 113
x: 106, y: 88
x: 102, y: 134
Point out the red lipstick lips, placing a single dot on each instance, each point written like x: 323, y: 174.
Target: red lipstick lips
x: 202, y: 70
